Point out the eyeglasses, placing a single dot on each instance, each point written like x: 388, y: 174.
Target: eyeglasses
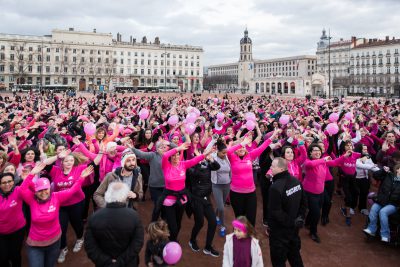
x: 7, y: 182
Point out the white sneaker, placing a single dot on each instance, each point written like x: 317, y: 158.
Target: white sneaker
x: 63, y: 253
x: 385, y: 239
x: 365, y: 212
x: 78, y: 245
x: 368, y: 232
x: 351, y: 211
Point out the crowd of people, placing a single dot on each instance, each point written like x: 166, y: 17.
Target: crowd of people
x: 63, y: 157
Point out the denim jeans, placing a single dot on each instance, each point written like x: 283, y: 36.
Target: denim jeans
x: 384, y: 213
x: 43, y: 256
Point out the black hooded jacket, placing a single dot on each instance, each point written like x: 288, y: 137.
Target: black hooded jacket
x: 286, y: 201
x: 200, y: 178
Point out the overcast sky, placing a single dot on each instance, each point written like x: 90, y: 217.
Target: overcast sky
x: 278, y: 28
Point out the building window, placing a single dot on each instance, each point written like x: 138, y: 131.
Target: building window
x: 47, y: 69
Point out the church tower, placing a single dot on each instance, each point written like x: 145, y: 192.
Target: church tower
x: 246, y: 63
x: 246, y: 49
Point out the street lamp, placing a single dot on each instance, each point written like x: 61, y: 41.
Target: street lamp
x: 329, y: 62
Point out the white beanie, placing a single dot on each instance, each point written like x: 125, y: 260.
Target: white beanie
x: 126, y: 156
x: 110, y: 146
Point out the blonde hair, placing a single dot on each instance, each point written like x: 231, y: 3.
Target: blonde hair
x: 79, y: 158
x: 158, y: 231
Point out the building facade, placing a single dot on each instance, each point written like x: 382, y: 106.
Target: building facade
x: 374, y: 67
x: 91, y: 60
x: 285, y: 76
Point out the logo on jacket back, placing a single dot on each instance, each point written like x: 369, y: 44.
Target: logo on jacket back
x: 293, y: 190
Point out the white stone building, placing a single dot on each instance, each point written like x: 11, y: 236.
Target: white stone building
x: 95, y: 60
x: 374, y: 67
x: 286, y: 76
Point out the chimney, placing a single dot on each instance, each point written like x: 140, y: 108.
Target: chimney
x: 387, y: 38
x: 71, y: 29
x: 130, y: 39
x: 94, y: 30
x: 364, y: 41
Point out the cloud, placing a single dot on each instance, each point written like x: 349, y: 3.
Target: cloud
x: 278, y: 28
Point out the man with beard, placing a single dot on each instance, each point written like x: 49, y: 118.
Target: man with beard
x: 129, y: 174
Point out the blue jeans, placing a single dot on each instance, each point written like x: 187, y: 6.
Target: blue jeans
x: 43, y: 256
x: 384, y: 213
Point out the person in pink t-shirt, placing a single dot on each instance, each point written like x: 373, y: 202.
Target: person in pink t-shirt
x: 43, y: 242
x: 174, y: 196
x: 243, y: 190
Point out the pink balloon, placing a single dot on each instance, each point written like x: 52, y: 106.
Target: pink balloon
x: 220, y: 116
x: 90, y: 128
x: 349, y: 116
x: 173, y: 120
x: 121, y: 128
x: 332, y: 128
x: 320, y: 102
x: 333, y: 117
x: 249, y: 116
x: 190, y: 128
x: 172, y: 253
x: 215, y: 100
x: 196, y: 111
x: 284, y: 119
x: 191, y: 117
x: 250, y: 125
x: 143, y: 114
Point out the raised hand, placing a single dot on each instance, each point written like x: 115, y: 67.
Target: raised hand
x: 86, y: 172
x: 38, y: 168
x: 182, y: 147
x: 64, y: 153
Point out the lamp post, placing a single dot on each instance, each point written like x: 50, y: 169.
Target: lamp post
x: 329, y: 62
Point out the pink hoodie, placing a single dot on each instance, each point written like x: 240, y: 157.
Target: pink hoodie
x: 11, y: 215
x: 64, y: 182
x: 315, y: 173
x: 45, y: 224
x: 294, y: 166
x: 175, y: 176
x: 242, y: 169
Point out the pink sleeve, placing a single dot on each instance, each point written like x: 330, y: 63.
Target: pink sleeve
x: 232, y: 149
x: 190, y: 163
x: 86, y: 152
x: 120, y: 148
x: 302, y: 157
x: 23, y: 144
x: 313, y: 163
x: 96, y: 145
x: 335, y: 162
x: 257, y: 152
x: 165, y: 157
x: 41, y: 135
x: 14, y: 159
x: 376, y: 139
x: 227, y: 124
x: 237, y: 126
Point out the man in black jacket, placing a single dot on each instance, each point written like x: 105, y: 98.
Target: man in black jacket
x: 286, y: 212
x: 114, y: 235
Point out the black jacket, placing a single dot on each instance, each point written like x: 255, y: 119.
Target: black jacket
x: 286, y: 201
x: 114, y: 232
x: 200, y: 178
x: 389, y: 190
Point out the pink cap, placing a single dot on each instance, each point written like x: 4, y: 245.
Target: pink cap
x: 41, y: 184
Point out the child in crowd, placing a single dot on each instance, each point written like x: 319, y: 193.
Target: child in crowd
x: 158, y: 238
x: 241, y: 247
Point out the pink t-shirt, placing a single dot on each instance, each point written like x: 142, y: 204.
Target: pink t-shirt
x: 11, y: 215
x: 63, y: 182
x: 45, y: 224
x: 242, y: 169
x: 175, y: 176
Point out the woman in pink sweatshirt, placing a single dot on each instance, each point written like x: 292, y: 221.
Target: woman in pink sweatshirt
x: 174, y: 196
x: 63, y: 177
x: 12, y: 220
x: 243, y: 190
x: 315, y: 169
x: 43, y: 242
